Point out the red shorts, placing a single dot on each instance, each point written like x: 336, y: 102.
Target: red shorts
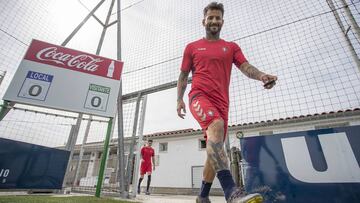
x: 145, y: 168
x: 205, y: 112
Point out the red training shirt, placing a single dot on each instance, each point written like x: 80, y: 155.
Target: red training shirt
x: 210, y: 63
x: 146, y: 153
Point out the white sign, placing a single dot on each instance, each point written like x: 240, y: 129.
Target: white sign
x: 57, y: 77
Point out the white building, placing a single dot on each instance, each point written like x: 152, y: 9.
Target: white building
x: 180, y: 155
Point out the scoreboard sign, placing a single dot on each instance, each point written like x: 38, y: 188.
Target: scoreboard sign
x: 57, y: 77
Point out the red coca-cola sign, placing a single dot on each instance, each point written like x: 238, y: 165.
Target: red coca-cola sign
x: 63, y: 57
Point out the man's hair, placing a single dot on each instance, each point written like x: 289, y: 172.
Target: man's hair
x: 150, y: 141
x: 214, y: 6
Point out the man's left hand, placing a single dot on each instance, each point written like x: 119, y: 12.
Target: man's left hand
x: 268, y: 78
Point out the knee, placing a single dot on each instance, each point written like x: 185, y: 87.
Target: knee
x: 216, y: 128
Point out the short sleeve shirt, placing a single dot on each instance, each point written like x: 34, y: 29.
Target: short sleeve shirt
x: 147, y: 153
x: 210, y: 63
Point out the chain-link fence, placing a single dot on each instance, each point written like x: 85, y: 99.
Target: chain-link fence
x: 312, y: 46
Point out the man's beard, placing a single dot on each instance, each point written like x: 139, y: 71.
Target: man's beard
x: 211, y: 31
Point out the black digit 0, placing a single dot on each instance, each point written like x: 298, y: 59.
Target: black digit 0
x: 96, y: 101
x: 35, y: 90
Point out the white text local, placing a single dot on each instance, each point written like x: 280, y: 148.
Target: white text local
x: 81, y: 61
x: 39, y: 76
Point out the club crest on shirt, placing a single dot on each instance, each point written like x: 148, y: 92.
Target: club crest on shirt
x: 210, y: 113
x: 225, y: 49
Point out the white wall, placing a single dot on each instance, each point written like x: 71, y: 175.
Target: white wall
x: 174, y: 168
x: 175, y: 165
x: 357, y: 122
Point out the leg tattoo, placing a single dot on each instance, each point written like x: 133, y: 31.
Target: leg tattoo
x: 217, y: 156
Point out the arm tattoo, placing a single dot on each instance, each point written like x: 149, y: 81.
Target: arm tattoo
x: 250, y: 71
x: 216, y: 155
x: 182, y: 83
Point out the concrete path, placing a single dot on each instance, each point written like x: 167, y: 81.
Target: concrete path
x: 154, y: 198
x: 174, y: 199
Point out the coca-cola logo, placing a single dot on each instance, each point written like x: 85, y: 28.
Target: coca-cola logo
x: 81, y: 61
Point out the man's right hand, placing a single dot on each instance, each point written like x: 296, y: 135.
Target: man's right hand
x: 181, y: 106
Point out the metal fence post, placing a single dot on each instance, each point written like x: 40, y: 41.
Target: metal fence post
x: 103, y: 159
x: 139, y: 144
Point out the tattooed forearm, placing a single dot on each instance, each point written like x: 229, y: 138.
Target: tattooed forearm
x: 216, y: 155
x: 181, y: 85
x: 250, y: 71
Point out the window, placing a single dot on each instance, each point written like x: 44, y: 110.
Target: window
x: 202, y: 144
x: 163, y: 147
x: 113, y: 151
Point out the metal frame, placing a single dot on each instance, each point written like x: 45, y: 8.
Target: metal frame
x: 142, y: 94
x: 75, y: 132
x: 344, y: 30
x: 129, y: 165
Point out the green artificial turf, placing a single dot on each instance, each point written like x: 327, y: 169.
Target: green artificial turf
x: 52, y: 199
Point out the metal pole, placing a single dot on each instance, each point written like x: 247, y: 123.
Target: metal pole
x: 81, y: 153
x: 6, y: 104
x: 78, y: 121
x: 90, y: 117
x: 139, y: 144
x: 121, y: 168
x: 2, y: 76
x: 5, y: 108
x: 111, y: 140
x: 70, y: 147
x: 227, y: 146
x: 108, y: 135
x: 347, y: 39
x: 105, y: 27
x: 82, y: 23
x: 121, y: 151
x: 351, y: 18
x: 132, y: 144
x: 70, y: 142
x: 234, y: 166
x: 103, y: 159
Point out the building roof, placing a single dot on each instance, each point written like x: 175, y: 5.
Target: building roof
x: 274, y: 122
x: 173, y: 132
x: 301, y: 118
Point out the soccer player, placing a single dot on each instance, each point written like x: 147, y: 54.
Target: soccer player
x: 210, y: 61
x: 147, y: 165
